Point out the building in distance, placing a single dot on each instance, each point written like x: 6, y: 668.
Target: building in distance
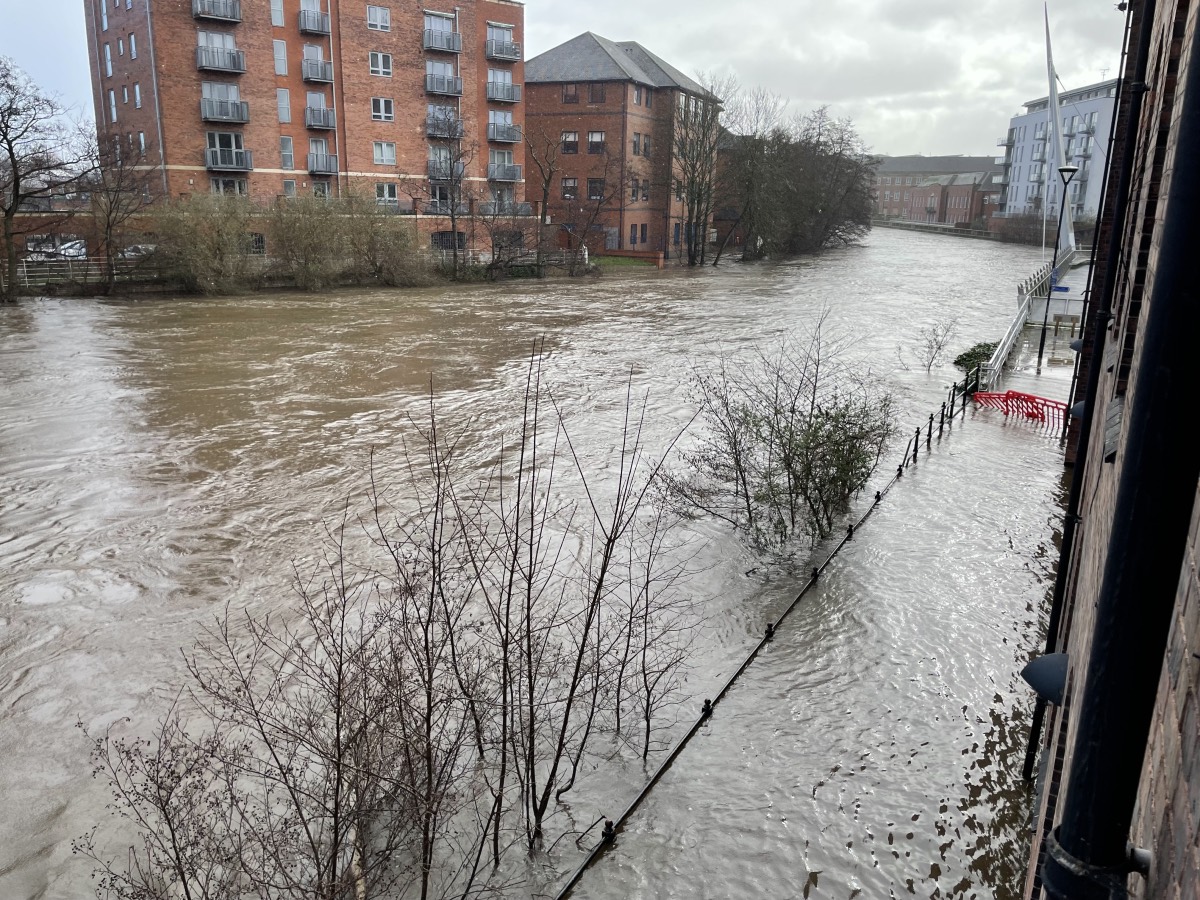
x: 896, y: 176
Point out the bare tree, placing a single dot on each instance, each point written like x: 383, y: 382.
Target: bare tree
x: 120, y: 187
x: 934, y: 339
x: 695, y: 138
x: 41, y: 155
x: 542, y: 151
x: 599, y: 195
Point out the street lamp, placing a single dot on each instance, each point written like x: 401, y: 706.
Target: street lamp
x: 1066, y: 173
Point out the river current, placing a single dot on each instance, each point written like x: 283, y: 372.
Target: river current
x: 162, y: 458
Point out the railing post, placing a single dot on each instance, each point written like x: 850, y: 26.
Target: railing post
x: 929, y: 433
x: 916, y: 444
x: 942, y: 419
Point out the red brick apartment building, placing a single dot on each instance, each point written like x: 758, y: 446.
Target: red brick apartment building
x: 282, y: 97
x: 962, y: 200
x: 604, y: 113
x: 1115, y: 758
x: 896, y: 176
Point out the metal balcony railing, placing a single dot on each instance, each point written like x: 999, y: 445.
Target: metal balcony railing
x: 317, y: 70
x: 319, y: 117
x: 222, y: 10
x: 449, y: 41
x: 322, y: 163
x: 220, y: 59
x: 508, y: 134
x: 503, y: 172
x: 222, y: 159
x: 510, y: 50
x: 1005, y: 142
x: 314, y: 21
x: 503, y: 90
x: 444, y: 84
x: 443, y: 126
x: 224, y: 110
x: 444, y: 170
x: 505, y: 208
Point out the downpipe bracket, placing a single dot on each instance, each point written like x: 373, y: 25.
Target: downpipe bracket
x: 1067, y: 878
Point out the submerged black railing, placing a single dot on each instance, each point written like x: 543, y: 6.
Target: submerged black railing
x: 955, y: 404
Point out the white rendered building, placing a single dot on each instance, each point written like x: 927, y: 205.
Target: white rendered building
x: 1032, y: 180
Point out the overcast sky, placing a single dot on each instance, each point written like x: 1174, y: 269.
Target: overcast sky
x: 915, y: 76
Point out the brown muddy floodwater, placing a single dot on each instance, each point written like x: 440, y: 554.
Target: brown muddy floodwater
x: 162, y: 458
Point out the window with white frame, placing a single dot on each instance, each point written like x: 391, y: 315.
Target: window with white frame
x: 379, y: 18
x: 120, y: 46
x: 386, y: 193
x: 595, y: 142
x: 287, y: 153
x: 137, y: 94
x: 277, y: 13
x: 132, y: 45
x: 280, y: 51
x: 315, y: 100
x: 219, y: 90
x: 237, y: 187
x: 439, y: 22
x: 289, y: 187
x: 381, y: 63
x: 500, y: 76
x: 222, y: 40
x: 570, y: 142
x: 124, y: 93
x: 383, y: 109
x: 570, y: 188
x: 104, y: 15
x: 112, y: 106
x: 321, y: 189
x: 141, y: 142
x: 108, y: 60
x: 384, y: 153
x: 283, y: 104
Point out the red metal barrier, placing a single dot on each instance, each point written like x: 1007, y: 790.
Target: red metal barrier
x: 1029, y: 406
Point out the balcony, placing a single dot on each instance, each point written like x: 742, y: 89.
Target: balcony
x: 449, y: 41
x: 442, y: 208
x: 503, y: 172
x: 1087, y: 129
x: 444, y: 84
x: 319, y: 117
x: 224, y: 110
x: 502, y: 90
x: 443, y: 127
x: 322, y: 164
x: 505, y: 208
x: 219, y: 10
x: 222, y: 159
x: 314, y: 21
x: 320, y: 70
x: 219, y: 59
x: 1005, y: 142
x: 508, y: 134
x: 443, y: 170
x: 1085, y: 153
x: 509, y: 50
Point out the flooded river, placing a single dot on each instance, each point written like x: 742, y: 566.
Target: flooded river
x: 160, y: 459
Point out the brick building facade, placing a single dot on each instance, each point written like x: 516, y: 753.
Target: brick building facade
x: 964, y: 200
x: 1117, y: 805
x: 896, y: 176
x: 281, y: 97
x: 601, y: 118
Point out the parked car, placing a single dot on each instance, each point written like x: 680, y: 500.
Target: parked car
x: 73, y: 250
x: 68, y: 250
x: 137, y: 251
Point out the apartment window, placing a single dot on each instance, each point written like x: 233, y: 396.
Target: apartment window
x: 385, y: 153
x: 637, y: 144
x: 283, y: 103
x: 137, y: 94
x: 379, y: 18
x: 104, y: 15
x: 120, y: 46
x: 646, y: 145
x: 386, y: 194
x: 500, y: 76
x: 381, y: 64
x: 633, y: 194
x: 632, y: 235
x: 219, y: 90
x: 383, y: 109
x: 141, y: 142
x: 280, y: 57
x: 678, y: 192
x: 287, y: 154
x: 277, y: 13
x: 237, y: 187
x: 595, y: 188
x: 570, y: 142
x: 675, y: 236
x: 595, y: 142
x: 645, y: 188
x: 649, y: 98
x: 124, y: 93
x: 108, y: 60
x: 570, y: 93
x: 570, y: 188
x: 132, y: 45
x: 289, y: 187
x: 595, y: 93
x: 637, y: 94
x: 321, y: 189
x: 643, y: 233
x: 439, y: 22
x: 112, y: 106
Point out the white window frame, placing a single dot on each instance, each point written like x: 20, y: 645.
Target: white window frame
x: 108, y: 70
x: 383, y: 153
x: 387, y: 193
x: 379, y: 18
x: 277, y: 13
x: 380, y: 63
x: 283, y: 104
x: 279, y: 51
x: 112, y: 105
x: 132, y: 45
x: 287, y: 153
x: 383, y: 109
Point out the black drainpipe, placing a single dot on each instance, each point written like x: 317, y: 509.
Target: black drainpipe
x: 1133, y: 84
x: 1088, y: 855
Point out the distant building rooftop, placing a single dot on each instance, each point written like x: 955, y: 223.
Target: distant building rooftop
x: 590, y: 57
x: 939, y: 165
